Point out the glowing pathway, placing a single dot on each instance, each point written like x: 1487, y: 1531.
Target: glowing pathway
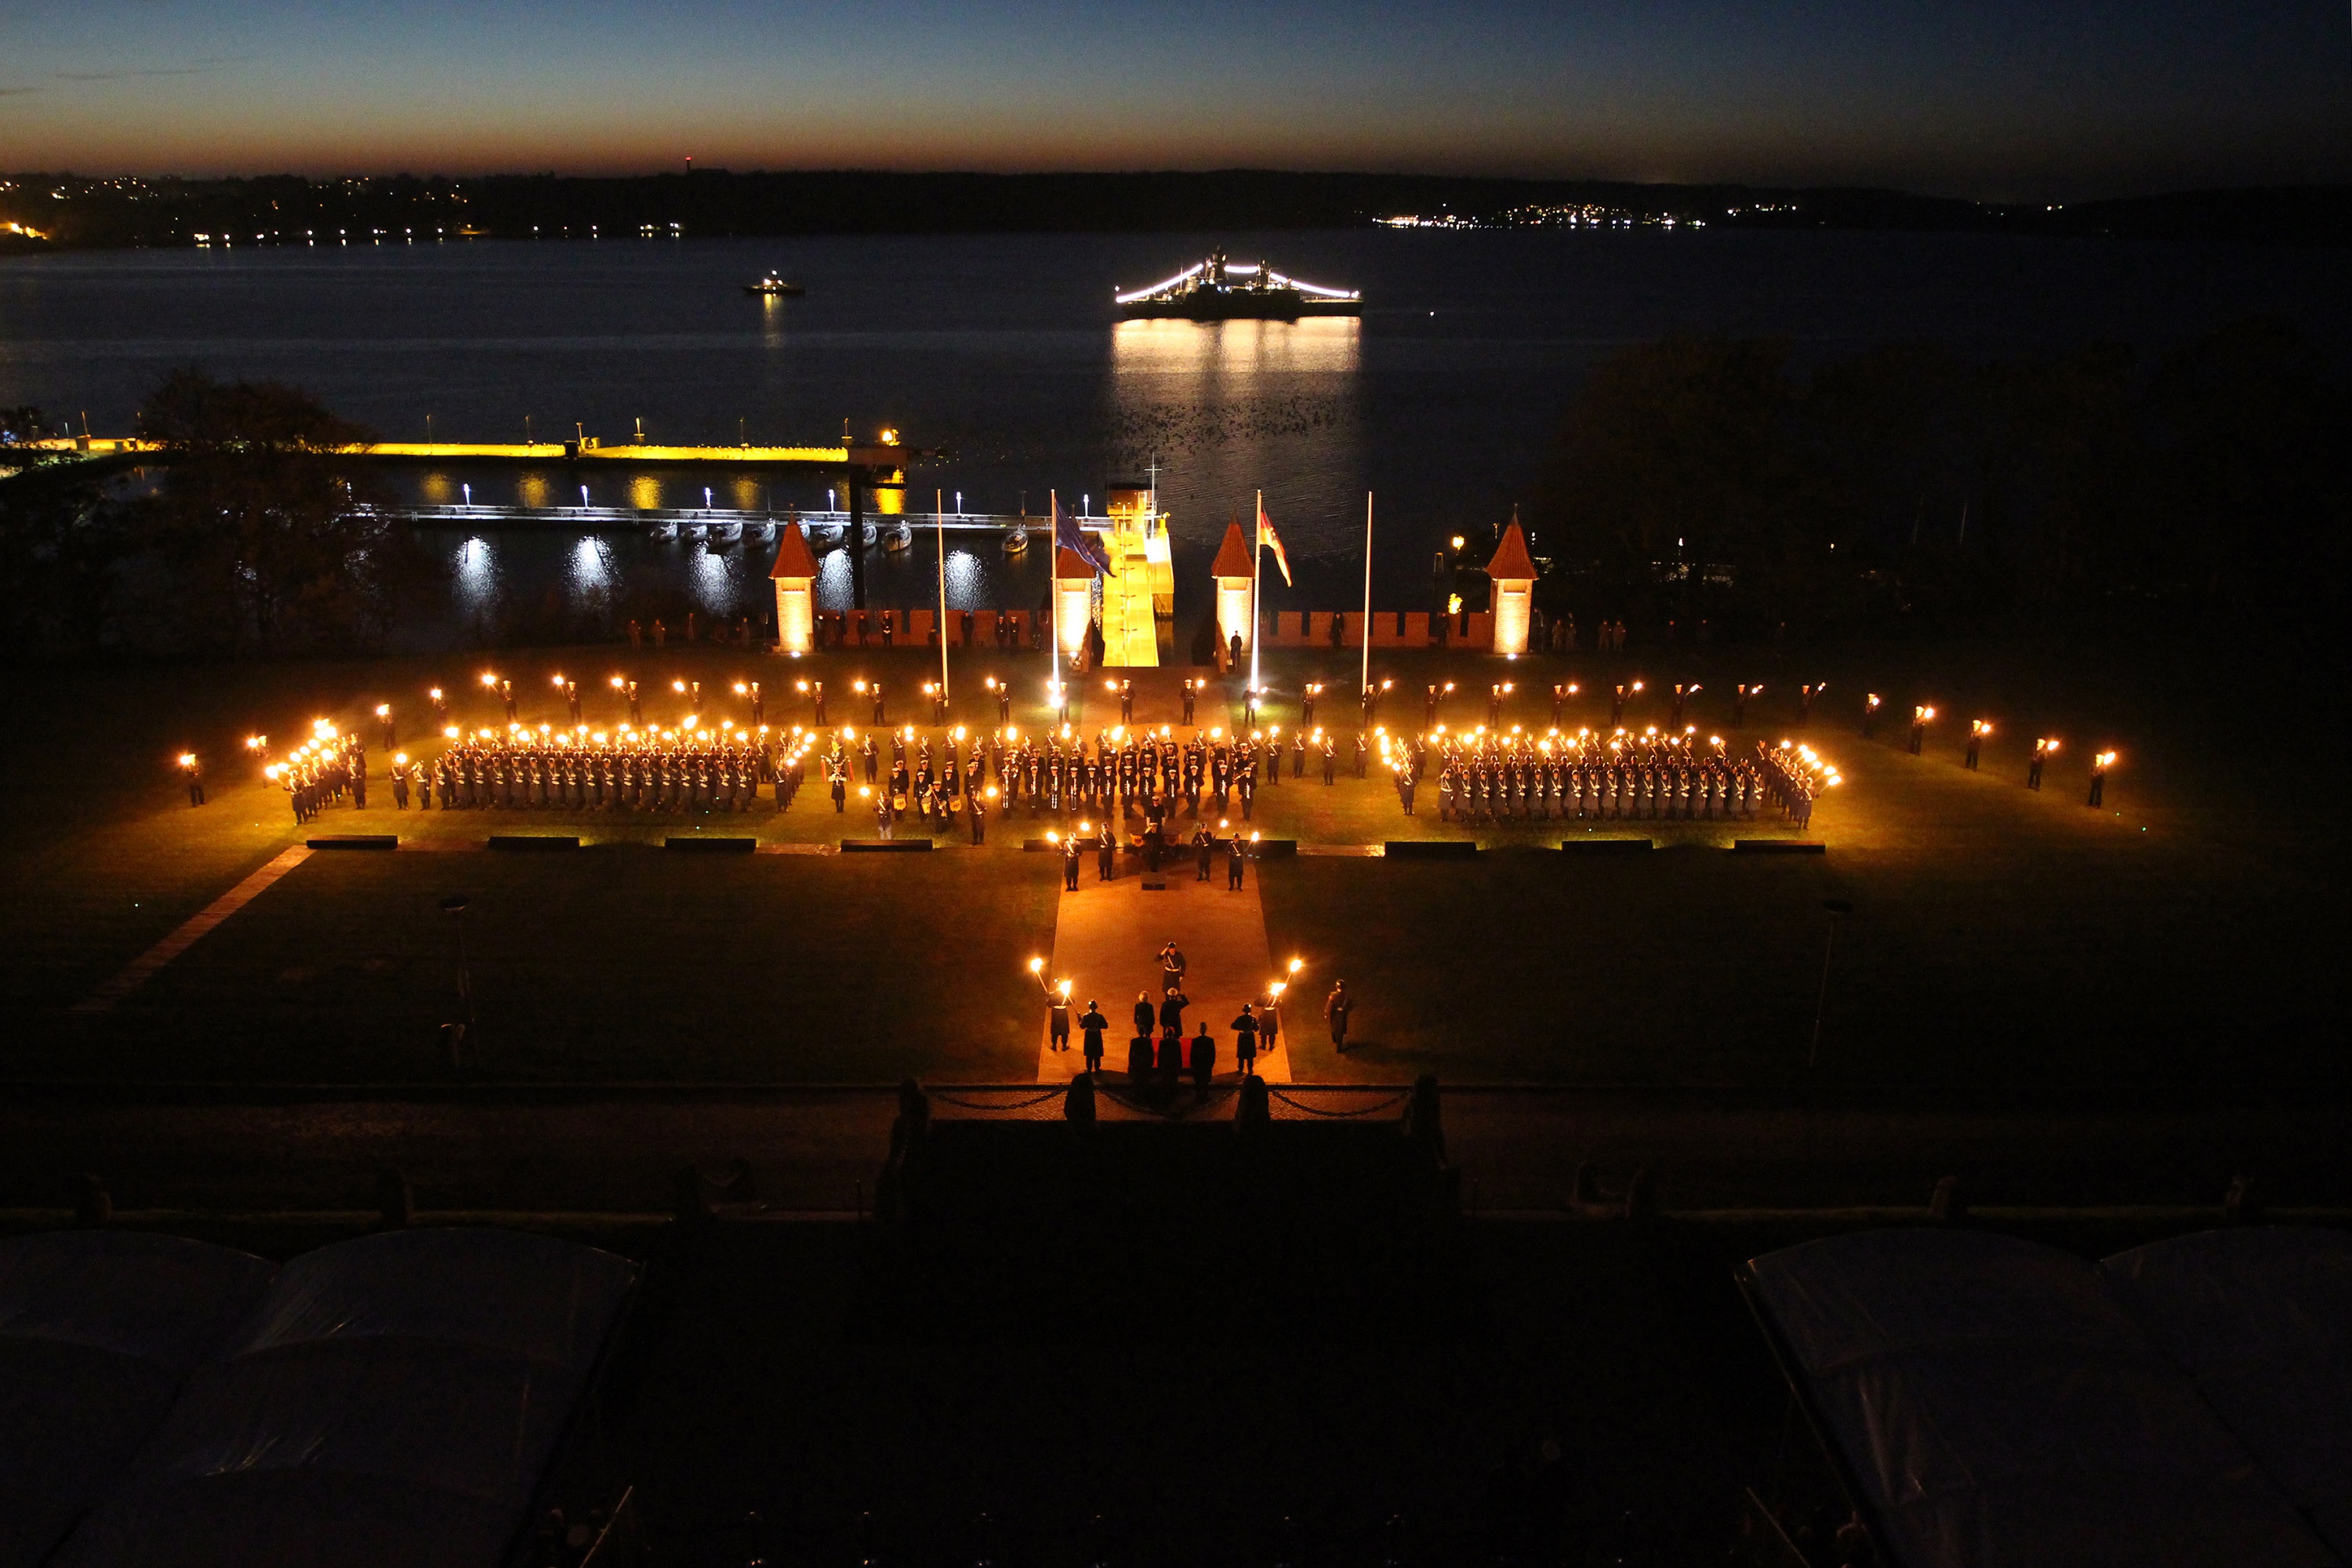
x: 140, y: 968
x: 1107, y: 940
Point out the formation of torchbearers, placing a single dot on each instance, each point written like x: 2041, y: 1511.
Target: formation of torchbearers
x: 319, y: 772
x: 1489, y: 776
x: 1120, y: 772
x: 689, y: 769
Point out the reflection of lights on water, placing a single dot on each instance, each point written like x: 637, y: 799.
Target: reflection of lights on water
x: 714, y: 586
x: 477, y: 573
x: 833, y: 587
x: 592, y: 567
x: 532, y: 488
x: 1312, y: 344
x: 646, y: 492
x: 967, y: 581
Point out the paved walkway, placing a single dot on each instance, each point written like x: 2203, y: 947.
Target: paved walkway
x: 139, y: 969
x: 1107, y: 940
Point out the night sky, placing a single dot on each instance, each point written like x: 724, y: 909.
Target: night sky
x: 1993, y: 99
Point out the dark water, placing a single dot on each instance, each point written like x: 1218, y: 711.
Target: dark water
x: 1004, y: 351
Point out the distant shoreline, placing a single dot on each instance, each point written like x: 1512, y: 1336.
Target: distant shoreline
x: 73, y: 212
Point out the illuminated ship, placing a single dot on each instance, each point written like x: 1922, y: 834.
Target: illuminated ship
x: 1220, y: 291
x: 774, y: 285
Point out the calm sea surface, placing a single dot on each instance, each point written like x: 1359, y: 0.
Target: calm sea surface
x: 1004, y: 351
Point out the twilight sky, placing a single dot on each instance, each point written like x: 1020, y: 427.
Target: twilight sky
x: 1987, y: 97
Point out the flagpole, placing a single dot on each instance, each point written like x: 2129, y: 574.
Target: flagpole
x: 939, y: 520
x: 1054, y: 594
x: 1368, y: 590
x: 1257, y: 552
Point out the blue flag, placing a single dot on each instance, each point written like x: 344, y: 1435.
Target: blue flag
x: 1070, y: 536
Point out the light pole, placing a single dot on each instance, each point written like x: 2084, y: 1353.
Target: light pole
x: 1836, y: 907
x: 455, y: 905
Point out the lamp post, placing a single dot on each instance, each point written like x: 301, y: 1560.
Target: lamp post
x: 455, y: 906
x: 1836, y: 907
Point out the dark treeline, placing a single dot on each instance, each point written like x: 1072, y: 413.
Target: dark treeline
x: 1906, y: 487
x: 246, y: 545
x: 283, y: 210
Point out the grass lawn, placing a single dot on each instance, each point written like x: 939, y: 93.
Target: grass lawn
x: 617, y: 963
x: 1998, y: 937
x: 1999, y: 934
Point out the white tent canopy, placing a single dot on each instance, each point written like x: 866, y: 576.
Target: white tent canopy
x: 391, y: 1400
x: 1994, y: 1407
x: 97, y: 1332
x: 2261, y: 1319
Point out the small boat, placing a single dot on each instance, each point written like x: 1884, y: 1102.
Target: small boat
x: 1016, y: 542
x: 775, y: 287
x: 897, y: 539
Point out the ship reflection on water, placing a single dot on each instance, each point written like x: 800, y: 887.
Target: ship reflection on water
x: 1225, y: 407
